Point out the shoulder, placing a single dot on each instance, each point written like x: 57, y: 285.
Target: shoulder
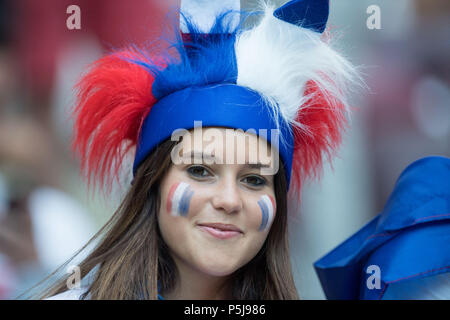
x: 72, y: 294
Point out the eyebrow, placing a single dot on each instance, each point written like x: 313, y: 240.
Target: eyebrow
x: 201, y: 155
x: 257, y: 165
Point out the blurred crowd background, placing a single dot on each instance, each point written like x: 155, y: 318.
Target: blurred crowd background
x: 46, y: 211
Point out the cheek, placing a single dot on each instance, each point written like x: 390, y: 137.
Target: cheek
x: 173, y: 218
x: 178, y: 199
x: 267, y: 210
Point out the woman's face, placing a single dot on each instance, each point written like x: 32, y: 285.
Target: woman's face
x: 216, y: 210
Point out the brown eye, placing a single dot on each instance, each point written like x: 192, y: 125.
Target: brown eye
x: 198, y: 171
x: 255, y: 181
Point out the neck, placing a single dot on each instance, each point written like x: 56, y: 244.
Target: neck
x: 192, y: 284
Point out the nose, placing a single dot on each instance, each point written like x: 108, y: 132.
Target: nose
x: 227, y: 196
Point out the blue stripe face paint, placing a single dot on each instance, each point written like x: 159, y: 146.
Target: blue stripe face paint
x: 265, y: 214
x: 185, y: 202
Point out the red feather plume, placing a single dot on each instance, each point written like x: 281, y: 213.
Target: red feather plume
x: 324, y: 116
x: 114, y: 97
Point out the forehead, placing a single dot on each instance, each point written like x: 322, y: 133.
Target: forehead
x: 231, y: 146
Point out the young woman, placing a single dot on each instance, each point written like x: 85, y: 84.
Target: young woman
x: 204, y: 217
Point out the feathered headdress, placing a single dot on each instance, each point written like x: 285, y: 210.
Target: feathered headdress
x: 280, y: 74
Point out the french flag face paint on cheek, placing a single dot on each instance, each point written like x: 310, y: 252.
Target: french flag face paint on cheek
x: 179, y: 199
x: 267, y: 206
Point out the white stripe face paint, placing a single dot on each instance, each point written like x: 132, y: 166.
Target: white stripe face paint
x: 267, y: 206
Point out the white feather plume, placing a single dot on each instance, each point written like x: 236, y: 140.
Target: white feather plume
x: 277, y: 59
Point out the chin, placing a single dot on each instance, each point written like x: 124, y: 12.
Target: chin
x: 218, y: 269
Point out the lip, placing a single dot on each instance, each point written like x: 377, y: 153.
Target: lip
x: 220, y: 230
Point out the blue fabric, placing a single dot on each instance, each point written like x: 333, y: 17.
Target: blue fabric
x: 225, y: 105
x: 419, y: 251
x: 409, y: 239
x: 309, y: 14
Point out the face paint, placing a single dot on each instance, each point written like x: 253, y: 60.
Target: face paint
x: 267, y: 205
x: 179, y: 198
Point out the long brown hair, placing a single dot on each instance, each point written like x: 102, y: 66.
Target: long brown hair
x: 131, y: 258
